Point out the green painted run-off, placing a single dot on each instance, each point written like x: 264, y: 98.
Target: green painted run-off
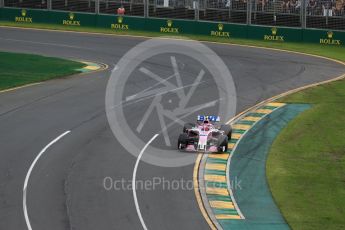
x: 248, y: 168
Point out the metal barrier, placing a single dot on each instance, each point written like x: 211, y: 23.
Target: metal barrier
x: 323, y: 14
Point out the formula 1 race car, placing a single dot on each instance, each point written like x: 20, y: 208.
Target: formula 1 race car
x: 205, y: 135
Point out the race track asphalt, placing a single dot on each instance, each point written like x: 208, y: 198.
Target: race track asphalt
x: 66, y: 190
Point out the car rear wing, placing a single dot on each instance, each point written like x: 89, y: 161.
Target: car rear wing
x: 208, y: 118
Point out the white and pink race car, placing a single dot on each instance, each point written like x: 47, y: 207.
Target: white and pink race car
x: 205, y: 135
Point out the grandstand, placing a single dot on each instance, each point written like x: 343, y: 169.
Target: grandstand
x: 323, y: 14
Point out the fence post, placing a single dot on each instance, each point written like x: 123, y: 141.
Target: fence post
x: 249, y: 12
x: 196, y: 5
x: 303, y: 14
x: 146, y: 8
x: 1, y: 3
x: 97, y: 6
x: 327, y: 14
x: 230, y: 6
x: 274, y: 12
x: 49, y: 5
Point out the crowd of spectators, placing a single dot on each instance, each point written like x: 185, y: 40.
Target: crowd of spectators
x: 313, y: 7
x: 330, y: 8
x: 316, y: 7
x: 326, y: 7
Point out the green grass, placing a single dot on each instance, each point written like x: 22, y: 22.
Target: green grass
x: 335, y: 52
x: 20, y: 69
x: 306, y: 164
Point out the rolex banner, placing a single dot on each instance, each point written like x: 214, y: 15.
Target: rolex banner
x: 274, y: 34
x: 24, y: 16
x: 120, y: 23
x: 173, y: 27
x: 324, y: 37
x: 73, y: 19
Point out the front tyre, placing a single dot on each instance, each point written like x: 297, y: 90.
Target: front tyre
x: 227, y: 130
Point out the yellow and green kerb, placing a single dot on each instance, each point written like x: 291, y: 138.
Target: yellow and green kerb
x: 90, y: 67
x: 217, y: 171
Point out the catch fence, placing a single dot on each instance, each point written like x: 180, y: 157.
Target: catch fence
x: 320, y: 14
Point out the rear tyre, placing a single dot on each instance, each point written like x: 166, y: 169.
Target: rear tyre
x: 182, y: 141
x: 187, y: 126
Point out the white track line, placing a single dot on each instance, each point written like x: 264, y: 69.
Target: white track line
x: 134, y: 178
x: 27, y: 220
